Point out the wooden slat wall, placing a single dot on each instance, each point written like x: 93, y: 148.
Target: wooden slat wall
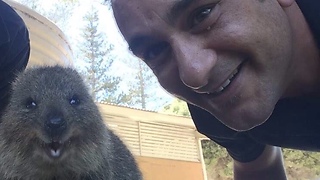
x: 128, y: 132
x: 158, y: 140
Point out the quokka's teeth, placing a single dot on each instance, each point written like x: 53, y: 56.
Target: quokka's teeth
x: 55, y: 153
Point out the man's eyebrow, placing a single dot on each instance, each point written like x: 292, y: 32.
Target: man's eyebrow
x: 178, y: 8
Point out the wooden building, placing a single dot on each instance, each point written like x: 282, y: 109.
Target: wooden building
x: 166, y: 147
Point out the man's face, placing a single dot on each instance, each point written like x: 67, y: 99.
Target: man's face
x: 230, y: 57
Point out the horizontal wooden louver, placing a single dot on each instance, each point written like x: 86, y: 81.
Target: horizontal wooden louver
x: 158, y: 140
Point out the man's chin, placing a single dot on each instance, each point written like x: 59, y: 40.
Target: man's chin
x: 245, y: 122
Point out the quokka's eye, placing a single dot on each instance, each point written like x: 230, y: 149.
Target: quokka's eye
x: 30, y: 103
x: 74, y: 100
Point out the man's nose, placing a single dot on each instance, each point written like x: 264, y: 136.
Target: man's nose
x: 194, y: 61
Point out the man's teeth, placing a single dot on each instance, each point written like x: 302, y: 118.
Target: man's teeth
x: 221, y: 88
x: 227, y: 82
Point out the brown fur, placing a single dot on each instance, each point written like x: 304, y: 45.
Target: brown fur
x: 90, y: 151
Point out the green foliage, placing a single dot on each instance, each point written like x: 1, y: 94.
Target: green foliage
x: 218, y: 162
x: 177, y: 107
x: 301, y: 165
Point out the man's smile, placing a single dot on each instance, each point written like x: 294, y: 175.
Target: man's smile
x: 224, y: 85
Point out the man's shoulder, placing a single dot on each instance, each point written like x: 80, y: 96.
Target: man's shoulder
x: 310, y: 9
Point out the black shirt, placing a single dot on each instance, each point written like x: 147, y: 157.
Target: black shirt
x: 295, y: 122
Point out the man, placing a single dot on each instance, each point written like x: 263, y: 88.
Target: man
x: 14, y: 49
x: 249, y: 70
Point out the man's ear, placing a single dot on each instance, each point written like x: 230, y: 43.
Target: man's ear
x: 286, y: 3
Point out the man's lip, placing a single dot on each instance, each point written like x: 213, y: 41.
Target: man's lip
x: 227, y: 82
x: 222, y: 86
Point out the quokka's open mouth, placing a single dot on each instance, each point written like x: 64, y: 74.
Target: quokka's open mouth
x: 54, y: 149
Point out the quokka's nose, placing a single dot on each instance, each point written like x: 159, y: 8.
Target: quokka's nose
x: 55, y: 125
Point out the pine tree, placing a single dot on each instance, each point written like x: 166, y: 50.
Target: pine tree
x: 144, y: 88
x: 96, y: 53
x: 139, y: 86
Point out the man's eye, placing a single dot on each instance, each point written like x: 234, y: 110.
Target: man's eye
x: 199, y: 15
x: 154, y: 51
